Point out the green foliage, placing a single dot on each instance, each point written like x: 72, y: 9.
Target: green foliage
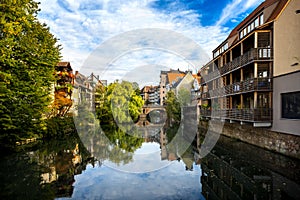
x: 28, y: 56
x: 205, y: 106
x: 119, y: 138
x: 173, y: 107
x: 60, y: 127
x: 120, y: 103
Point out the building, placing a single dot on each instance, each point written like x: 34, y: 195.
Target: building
x: 254, y: 67
x: 196, y: 90
x: 286, y: 74
x: 85, y: 90
x: 150, y: 94
x: 63, y: 88
x: 167, y: 79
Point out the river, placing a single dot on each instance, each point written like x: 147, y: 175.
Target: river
x: 115, y: 165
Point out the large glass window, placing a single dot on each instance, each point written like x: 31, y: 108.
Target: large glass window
x: 290, y: 105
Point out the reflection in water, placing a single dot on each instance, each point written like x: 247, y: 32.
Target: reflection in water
x: 43, y: 173
x: 234, y: 170
x: 67, y: 168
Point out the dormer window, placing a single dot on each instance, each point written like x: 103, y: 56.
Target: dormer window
x: 221, y: 50
x: 255, y: 23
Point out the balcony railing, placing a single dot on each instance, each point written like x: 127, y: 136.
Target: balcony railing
x: 249, y: 56
x: 250, y: 115
x: 249, y: 85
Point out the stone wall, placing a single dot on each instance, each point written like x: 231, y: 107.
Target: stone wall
x: 286, y: 144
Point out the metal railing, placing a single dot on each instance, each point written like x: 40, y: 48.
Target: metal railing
x: 249, y: 85
x: 253, y: 54
x: 246, y: 114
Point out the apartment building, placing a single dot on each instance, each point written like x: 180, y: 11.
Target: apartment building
x: 255, y: 67
x: 286, y: 74
x: 150, y: 94
x: 167, y: 79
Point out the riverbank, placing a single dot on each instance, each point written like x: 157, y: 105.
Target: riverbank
x: 285, y: 144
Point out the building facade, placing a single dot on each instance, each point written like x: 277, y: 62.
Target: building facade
x: 286, y: 77
x: 86, y: 91
x: 241, y: 82
x: 150, y: 95
x: 63, y: 88
x: 167, y: 80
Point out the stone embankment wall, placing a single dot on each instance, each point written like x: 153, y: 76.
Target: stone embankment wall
x: 286, y: 144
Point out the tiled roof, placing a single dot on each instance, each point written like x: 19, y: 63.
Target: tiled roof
x: 174, y: 76
x: 276, y: 11
x: 63, y: 64
x: 147, y: 89
x: 177, y: 83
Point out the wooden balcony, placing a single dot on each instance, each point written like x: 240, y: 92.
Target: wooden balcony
x: 248, y: 115
x: 249, y: 85
x: 255, y: 54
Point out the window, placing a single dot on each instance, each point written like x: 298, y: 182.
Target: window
x: 241, y: 35
x: 256, y: 22
x: 252, y: 26
x: 226, y: 46
x: 261, y: 19
x: 290, y: 105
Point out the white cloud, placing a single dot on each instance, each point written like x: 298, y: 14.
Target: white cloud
x: 171, y: 182
x: 83, y: 25
x: 235, y: 8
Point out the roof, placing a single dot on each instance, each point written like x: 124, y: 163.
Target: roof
x: 174, y: 76
x: 63, y: 64
x: 177, y: 83
x: 274, y: 14
x: 149, y: 89
x: 277, y: 10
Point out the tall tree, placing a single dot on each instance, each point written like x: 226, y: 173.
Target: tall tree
x: 120, y: 103
x: 173, y: 108
x: 29, y: 53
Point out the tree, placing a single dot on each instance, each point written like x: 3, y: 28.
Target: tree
x: 28, y: 56
x: 121, y: 104
x: 173, y: 107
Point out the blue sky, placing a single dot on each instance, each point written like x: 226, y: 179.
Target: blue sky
x: 83, y: 25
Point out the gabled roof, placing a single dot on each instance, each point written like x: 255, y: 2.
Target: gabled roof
x: 177, y: 83
x: 274, y: 14
x: 277, y: 10
x: 174, y: 77
x: 63, y: 64
x: 149, y: 89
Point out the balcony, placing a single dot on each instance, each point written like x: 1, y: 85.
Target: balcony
x: 255, y: 54
x: 248, y: 115
x: 249, y: 85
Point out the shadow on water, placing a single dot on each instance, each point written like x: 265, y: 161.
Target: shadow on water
x: 235, y: 170
x: 44, y: 171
